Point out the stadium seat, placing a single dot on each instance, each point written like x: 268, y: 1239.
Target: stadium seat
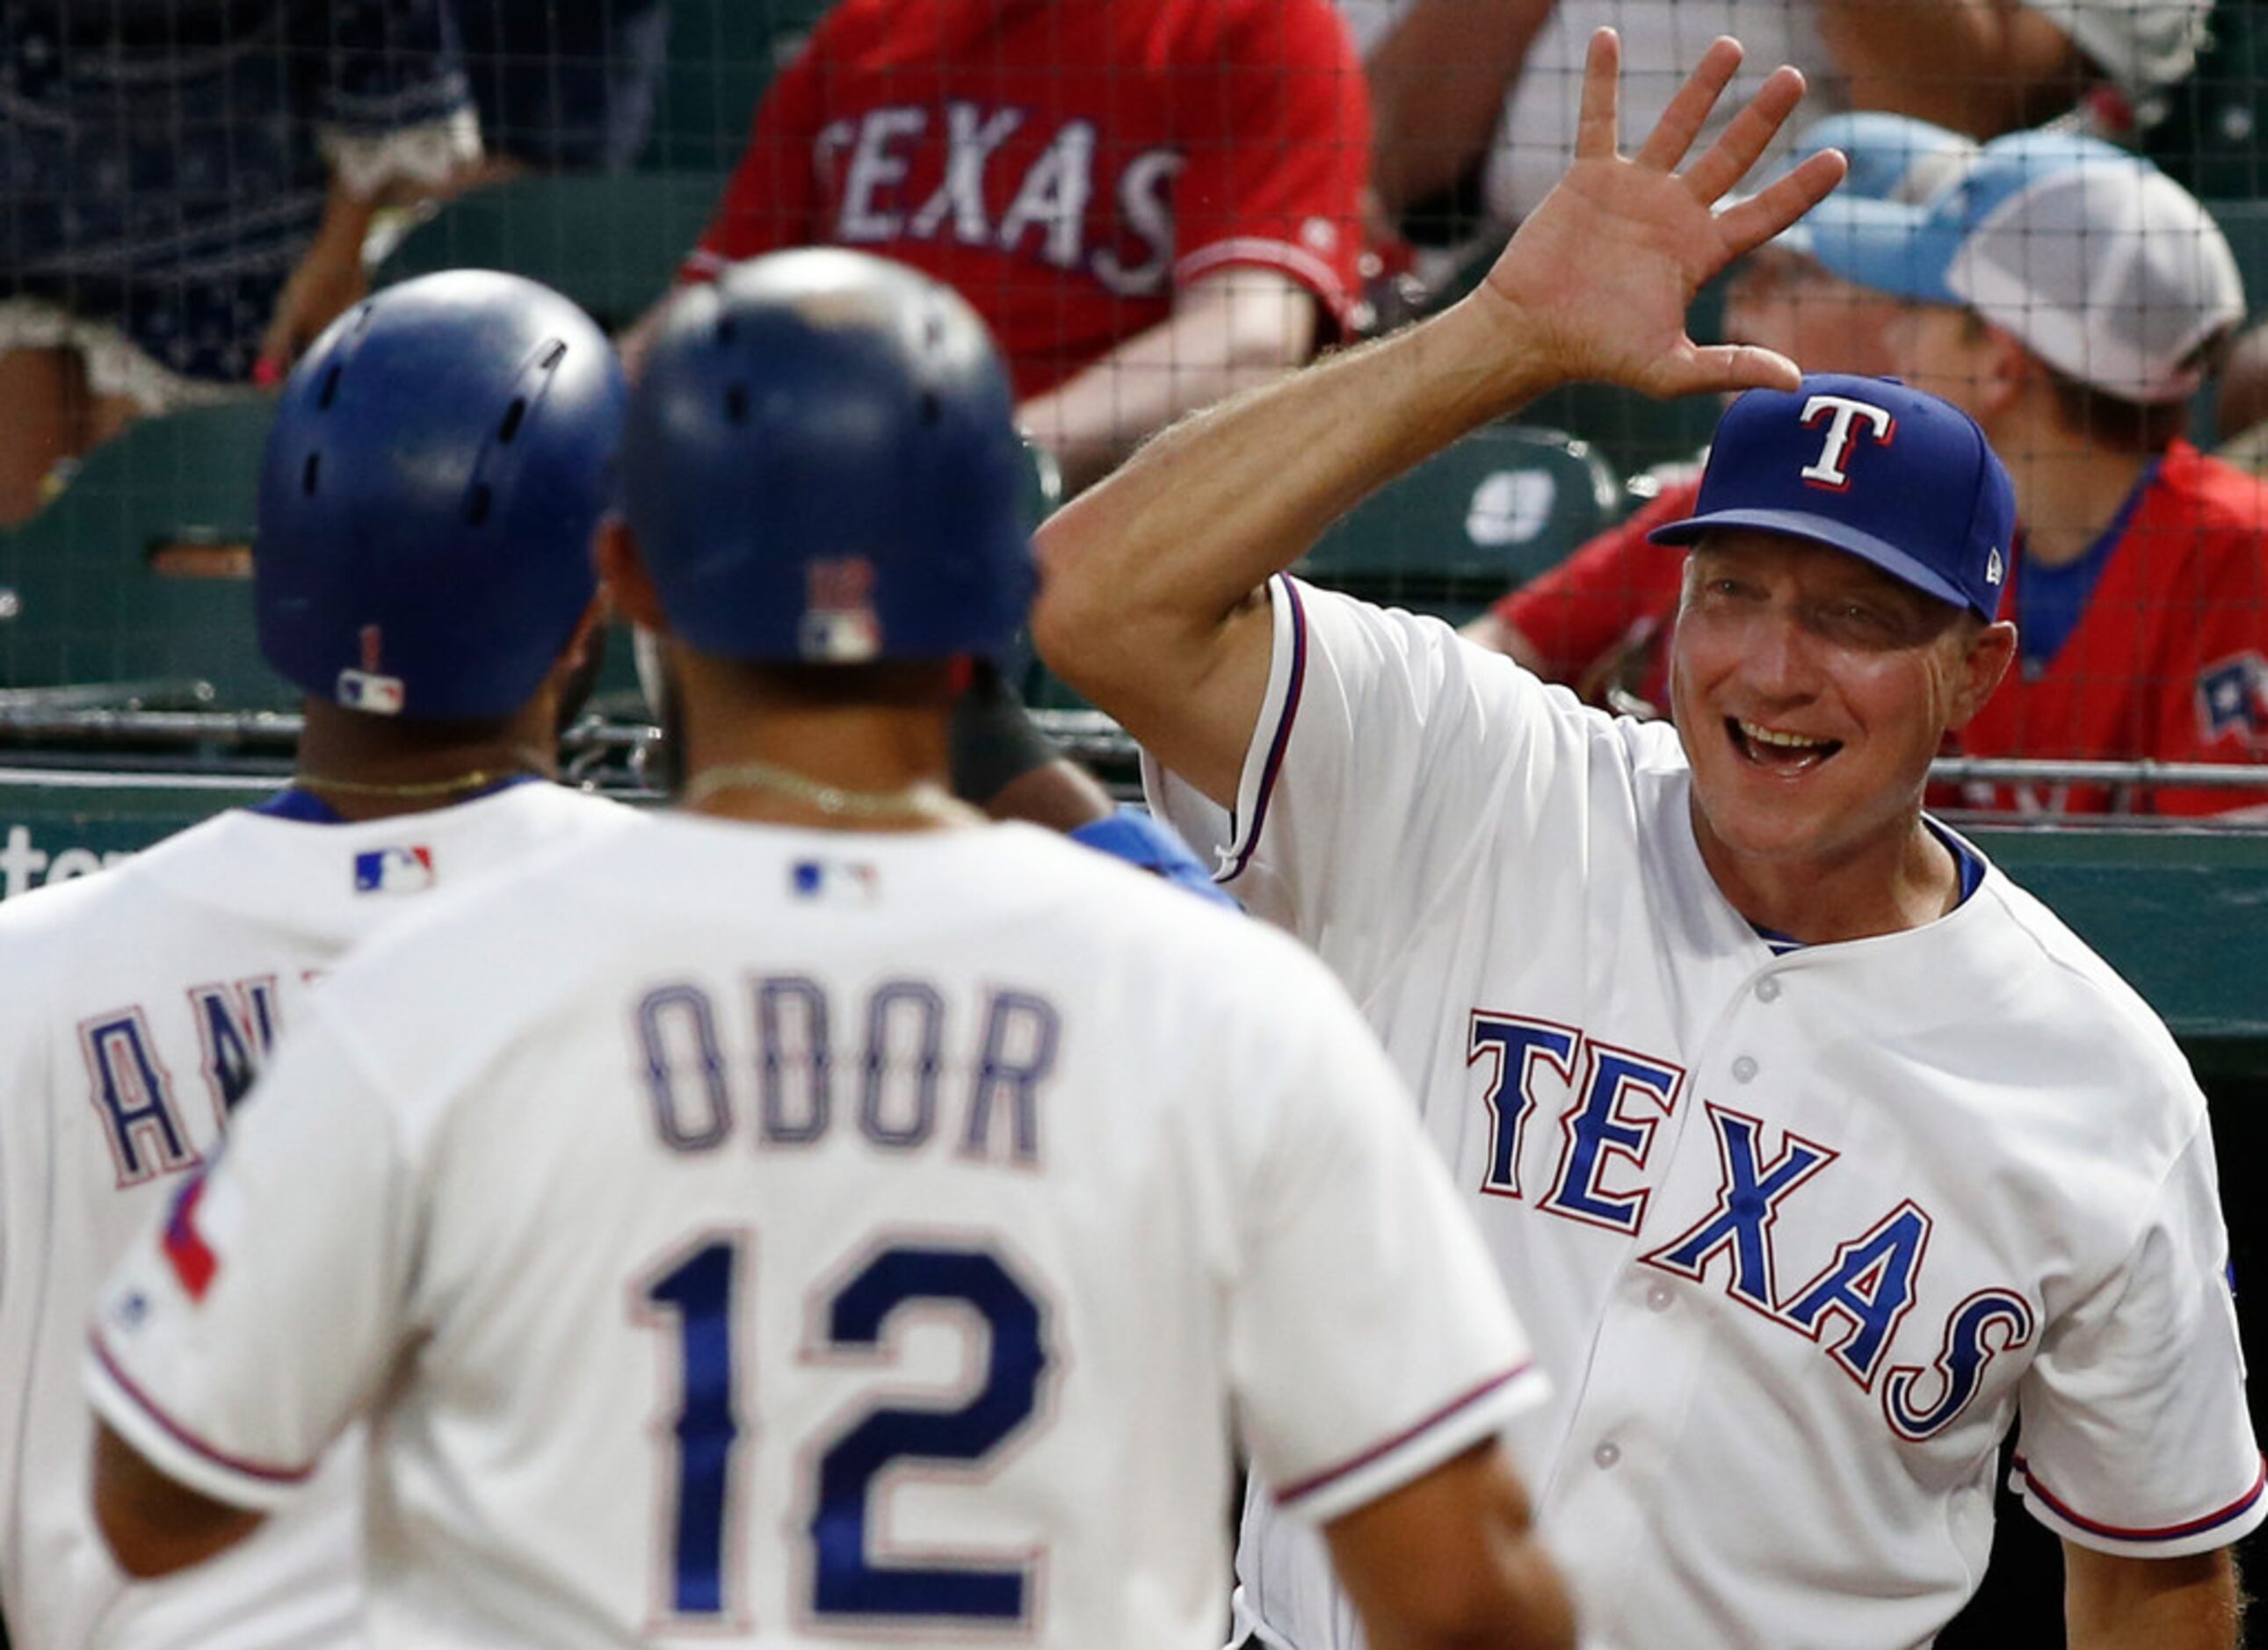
x: 612, y: 244
x: 1499, y: 507
x: 722, y: 55
x: 130, y: 586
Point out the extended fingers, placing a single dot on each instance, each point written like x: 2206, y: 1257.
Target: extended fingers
x: 1688, y: 112
x: 1747, y: 134
x: 1772, y: 209
x: 1597, y: 127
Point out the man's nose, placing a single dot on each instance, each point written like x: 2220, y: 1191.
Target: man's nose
x: 1776, y: 657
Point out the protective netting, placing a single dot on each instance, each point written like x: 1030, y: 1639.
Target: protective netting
x: 1154, y: 203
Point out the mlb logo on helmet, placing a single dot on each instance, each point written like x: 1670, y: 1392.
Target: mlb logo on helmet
x: 369, y: 688
x: 840, y: 625
x: 1869, y: 466
x: 394, y: 870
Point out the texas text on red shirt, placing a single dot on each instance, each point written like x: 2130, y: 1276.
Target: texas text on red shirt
x: 1065, y: 164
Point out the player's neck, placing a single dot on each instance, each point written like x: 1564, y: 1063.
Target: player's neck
x: 1903, y: 878
x: 2068, y: 488
x: 375, y: 767
x: 846, y: 767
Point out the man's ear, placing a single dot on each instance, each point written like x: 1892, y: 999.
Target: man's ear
x: 622, y: 576
x: 2011, y: 371
x: 1991, y: 651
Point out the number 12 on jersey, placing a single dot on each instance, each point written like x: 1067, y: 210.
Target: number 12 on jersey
x: 695, y: 1295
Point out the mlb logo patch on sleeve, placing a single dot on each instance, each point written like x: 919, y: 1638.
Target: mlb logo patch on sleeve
x: 407, y: 870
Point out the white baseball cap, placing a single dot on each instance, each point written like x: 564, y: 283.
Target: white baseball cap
x: 2103, y: 265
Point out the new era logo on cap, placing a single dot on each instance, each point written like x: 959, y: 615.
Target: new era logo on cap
x: 1869, y: 465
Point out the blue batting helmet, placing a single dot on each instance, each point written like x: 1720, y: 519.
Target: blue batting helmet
x: 438, y: 463
x: 821, y: 465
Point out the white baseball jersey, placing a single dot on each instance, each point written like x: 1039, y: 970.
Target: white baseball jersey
x: 1798, y: 1236
x: 779, y: 1237
x: 135, y: 1007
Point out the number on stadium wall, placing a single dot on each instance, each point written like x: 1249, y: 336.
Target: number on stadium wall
x: 696, y: 1294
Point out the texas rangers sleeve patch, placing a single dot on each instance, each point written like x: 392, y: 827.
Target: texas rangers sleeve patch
x: 186, y: 1250
x: 2232, y: 698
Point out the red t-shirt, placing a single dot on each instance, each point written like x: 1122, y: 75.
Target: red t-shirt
x: 1063, y: 164
x: 2170, y: 659
x: 1615, y: 593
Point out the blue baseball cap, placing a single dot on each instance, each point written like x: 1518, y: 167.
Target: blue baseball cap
x: 1871, y: 466
x: 1892, y: 157
x: 2096, y: 260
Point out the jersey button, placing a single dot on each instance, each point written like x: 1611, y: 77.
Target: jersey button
x: 1658, y: 1298
x: 1606, y: 1455
x: 1744, y: 1069
x: 1768, y: 990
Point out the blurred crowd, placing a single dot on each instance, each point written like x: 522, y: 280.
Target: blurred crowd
x: 1156, y: 203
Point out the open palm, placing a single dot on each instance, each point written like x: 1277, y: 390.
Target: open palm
x: 1604, y: 270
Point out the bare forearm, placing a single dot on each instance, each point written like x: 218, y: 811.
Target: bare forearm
x: 1206, y: 512
x: 1437, y: 87
x: 1982, y: 67
x: 1241, y: 328
x: 2188, y: 1603
x: 1451, y: 1562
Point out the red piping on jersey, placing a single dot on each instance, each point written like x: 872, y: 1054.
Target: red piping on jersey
x: 182, y: 1436
x: 1274, y: 762
x: 1307, y: 1486
x: 2173, y: 1532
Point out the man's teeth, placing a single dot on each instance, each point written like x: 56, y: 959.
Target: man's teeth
x: 1784, y: 741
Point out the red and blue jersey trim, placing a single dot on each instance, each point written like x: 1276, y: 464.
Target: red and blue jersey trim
x: 2228, y: 1515
x: 262, y: 1471
x: 1291, y: 1494
x: 1274, y: 765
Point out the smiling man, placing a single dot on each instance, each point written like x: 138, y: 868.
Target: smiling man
x: 1815, y: 1154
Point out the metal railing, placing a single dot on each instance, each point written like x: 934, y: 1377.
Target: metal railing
x: 53, y: 732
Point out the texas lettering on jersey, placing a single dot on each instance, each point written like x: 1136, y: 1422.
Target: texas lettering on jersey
x: 1851, y: 1302
x: 1029, y: 204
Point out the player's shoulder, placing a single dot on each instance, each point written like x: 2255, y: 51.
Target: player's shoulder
x: 2209, y: 495
x: 1282, y: 32
x: 2065, y: 990
x: 126, y: 889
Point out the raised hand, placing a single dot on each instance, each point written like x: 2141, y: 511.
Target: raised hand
x: 1600, y: 275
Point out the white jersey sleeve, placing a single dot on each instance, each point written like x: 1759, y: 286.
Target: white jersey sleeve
x: 1362, y: 794
x: 1369, y: 1338
x: 2134, y: 1437
x: 234, y: 1342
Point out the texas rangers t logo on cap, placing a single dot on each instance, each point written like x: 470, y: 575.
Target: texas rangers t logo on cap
x: 1842, y: 433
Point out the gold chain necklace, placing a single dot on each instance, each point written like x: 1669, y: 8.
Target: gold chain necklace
x: 478, y: 779
x: 922, y: 800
